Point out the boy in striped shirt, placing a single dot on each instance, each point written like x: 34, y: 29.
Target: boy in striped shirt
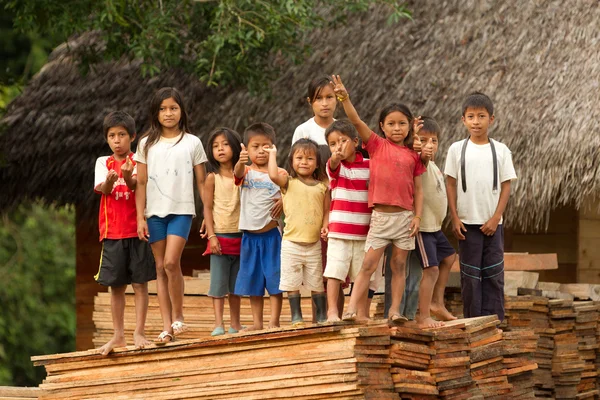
x: 350, y: 214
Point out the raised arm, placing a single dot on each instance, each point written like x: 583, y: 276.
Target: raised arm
x: 489, y: 228
x: 127, y: 171
x: 240, y: 166
x: 279, y: 179
x: 457, y: 226
x: 140, y: 201
x: 342, y: 95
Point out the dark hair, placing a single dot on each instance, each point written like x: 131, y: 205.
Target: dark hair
x: 316, y: 85
x: 390, y: 108
x: 155, y: 130
x: 478, y: 100
x: 307, y: 145
x: 343, y: 126
x: 430, y: 126
x: 234, y: 140
x: 259, y: 128
x: 118, y: 118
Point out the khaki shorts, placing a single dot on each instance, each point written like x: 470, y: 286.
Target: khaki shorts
x: 388, y: 228
x: 301, y: 265
x: 378, y: 278
x: 344, y: 258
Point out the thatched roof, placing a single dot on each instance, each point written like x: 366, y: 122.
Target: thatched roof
x: 539, y: 62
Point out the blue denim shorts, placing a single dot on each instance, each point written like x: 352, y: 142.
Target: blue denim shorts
x: 173, y: 224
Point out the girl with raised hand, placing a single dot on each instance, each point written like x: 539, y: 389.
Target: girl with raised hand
x: 395, y: 195
x: 169, y: 159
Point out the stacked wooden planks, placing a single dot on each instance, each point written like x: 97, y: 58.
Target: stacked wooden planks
x: 586, y: 324
x: 349, y: 362
x: 453, y: 301
x: 519, y: 361
x: 199, y: 316
x: 19, y: 393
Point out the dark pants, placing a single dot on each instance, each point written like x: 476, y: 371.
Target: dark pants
x: 482, y: 272
x: 414, y: 272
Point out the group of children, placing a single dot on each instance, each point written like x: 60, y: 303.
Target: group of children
x: 341, y: 209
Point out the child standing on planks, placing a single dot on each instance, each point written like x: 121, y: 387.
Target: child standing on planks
x: 433, y: 249
x: 261, y: 239
x: 474, y: 168
x: 124, y: 259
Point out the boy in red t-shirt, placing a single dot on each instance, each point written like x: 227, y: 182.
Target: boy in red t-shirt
x: 125, y: 259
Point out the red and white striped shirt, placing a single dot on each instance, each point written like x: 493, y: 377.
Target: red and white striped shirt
x: 349, y: 215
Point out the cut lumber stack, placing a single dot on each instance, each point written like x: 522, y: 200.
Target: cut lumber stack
x: 199, y: 315
x: 586, y: 324
x: 19, y: 393
x: 349, y: 362
x: 567, y: 365
x: 519, y: 360
x: 453, y: 301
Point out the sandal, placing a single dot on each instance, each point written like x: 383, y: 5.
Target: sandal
x: 161, y: 338
x: 349, y: 316
x: 218, y: 331
x: 179, y: 327
x: 398, y: 319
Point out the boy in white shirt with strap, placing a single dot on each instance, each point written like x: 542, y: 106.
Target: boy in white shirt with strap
x: 479, y: 172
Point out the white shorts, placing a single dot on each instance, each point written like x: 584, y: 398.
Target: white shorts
x: 378, y: 277
x: 388, y: 228
x: 344, y: 258
x: 301, y: 265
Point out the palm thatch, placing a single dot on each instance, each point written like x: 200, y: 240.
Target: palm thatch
x: 537, y: 60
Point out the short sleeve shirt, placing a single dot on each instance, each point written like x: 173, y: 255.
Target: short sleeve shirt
x: 257, y: 198
x: 117, y: 218
x: 303, y: 209
x: 171, y: 162
x: 478, y: 204
x: 435, y: 201
x: 393, y: 171
x: 310, y: 130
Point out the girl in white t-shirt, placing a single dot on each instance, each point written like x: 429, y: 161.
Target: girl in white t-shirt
x: 168, y: 160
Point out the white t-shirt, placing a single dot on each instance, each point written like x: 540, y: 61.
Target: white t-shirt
x: 257, y: 199
x: 170, y: 188
x: 478, y: 204
x: 310, y: 130
x: 435, y: 201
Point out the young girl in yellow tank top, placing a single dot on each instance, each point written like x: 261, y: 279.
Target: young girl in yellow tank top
x: 221, y: 217
x: 306, y: 200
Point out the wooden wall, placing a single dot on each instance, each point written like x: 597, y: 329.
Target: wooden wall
x: 588, y: 270
x: 87, y: 263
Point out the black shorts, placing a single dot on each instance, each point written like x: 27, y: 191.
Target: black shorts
x: 125, y: 261
x: 432, y: 248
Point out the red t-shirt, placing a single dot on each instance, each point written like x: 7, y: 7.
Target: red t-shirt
x: 117, y: 218
x: 393, y: 171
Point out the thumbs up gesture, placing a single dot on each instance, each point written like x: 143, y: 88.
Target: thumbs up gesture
x: 243, y: 155
x: 127, y: 169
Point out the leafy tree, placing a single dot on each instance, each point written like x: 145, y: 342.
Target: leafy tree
x: 37, y: 290
x: 226, y: 41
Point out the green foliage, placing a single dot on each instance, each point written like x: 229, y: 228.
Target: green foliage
x: 227, y: 41
x: 37, y: 293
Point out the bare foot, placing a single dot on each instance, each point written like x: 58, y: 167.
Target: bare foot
x: 428, y: 322
x: 333, y: 317
x: 441, y: 313
x: 114, y: 342
x: 238, y: 327
x: 252, y: 328
x: 273, y: 326
x: 140, y: 341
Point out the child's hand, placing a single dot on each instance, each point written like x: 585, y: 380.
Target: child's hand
x: 417, y: 145
x: 458, y: 228
x: 414, y: 226
x: 127, y: 169
x: 427, y: 151
x: 112, y: 177
x: 324, y: 233
x: 202, y: 231
x: 270, y: 149
x: 338, y: 88
x: 142, y: 230
x: 489, y: 228
x: 277, y: 208
x: 215, y: 246
x: 417, y: 125
x: 243, y: 155
x: 338, y: 154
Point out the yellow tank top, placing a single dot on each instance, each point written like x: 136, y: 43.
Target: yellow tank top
x: 303, y: 209
x: 226, y: 205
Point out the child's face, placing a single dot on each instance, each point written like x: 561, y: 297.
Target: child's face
x: 169, y: 113
x: 395, y: 126
x: 119, y: 141
x: 221, y: 149
x: 337, y: 141
x: 324, y: 103
x: 256, y: 153
x: 304, y: 162
x: 429, y: 139
x: 477, y: 120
